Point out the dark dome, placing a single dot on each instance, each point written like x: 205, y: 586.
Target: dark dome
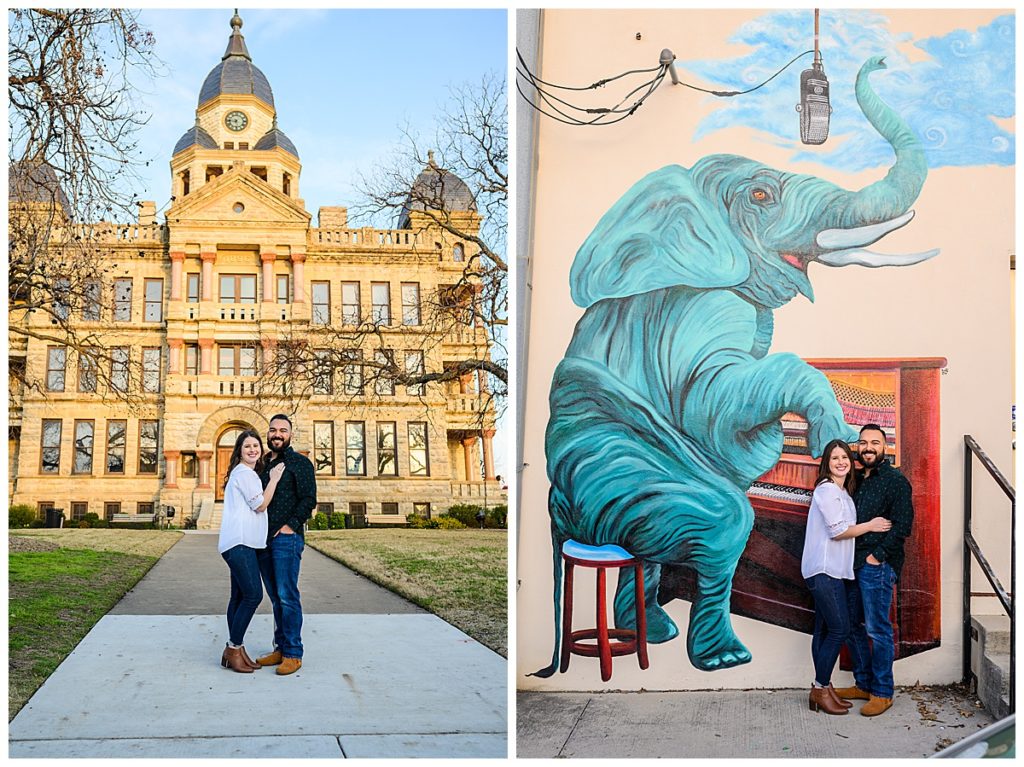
x: 274, y: 138
x: 195, y: 135
x: 436, y: 189
x: 236, y: 73
x: 36, y: 182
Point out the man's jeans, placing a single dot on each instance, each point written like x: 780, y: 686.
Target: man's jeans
x: 246, y: 591
x: 831, y: 624
x: 279, y: 566
x: 869, y: 597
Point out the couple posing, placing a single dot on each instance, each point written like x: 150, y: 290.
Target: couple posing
x: 267, y: 500
x: 853, y: 552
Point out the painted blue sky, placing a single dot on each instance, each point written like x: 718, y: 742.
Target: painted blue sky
x: 343, y: 81
x: 952, y: 98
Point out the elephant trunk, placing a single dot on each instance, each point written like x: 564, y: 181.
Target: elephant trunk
x: 893, y: 195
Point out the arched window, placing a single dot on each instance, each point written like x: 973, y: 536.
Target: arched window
x: 458, y: 252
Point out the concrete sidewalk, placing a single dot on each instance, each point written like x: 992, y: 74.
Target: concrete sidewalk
x: 380, y: 677
x: 737, y: 724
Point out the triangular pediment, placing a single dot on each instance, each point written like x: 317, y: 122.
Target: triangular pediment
x: 216, y: 201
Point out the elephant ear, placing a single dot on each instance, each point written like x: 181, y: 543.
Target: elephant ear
x: 661, y: 233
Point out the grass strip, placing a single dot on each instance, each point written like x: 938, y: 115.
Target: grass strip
x: 459, y: 575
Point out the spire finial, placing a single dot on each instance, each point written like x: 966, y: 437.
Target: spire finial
x: 236, y: 44
x: 236, y: 21
x: 430, y: 158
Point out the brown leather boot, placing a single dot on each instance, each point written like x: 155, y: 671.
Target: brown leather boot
x: 289, y: 666
x: 270, y: 659
x: 820, y: 700
x: 232, y: 659
x: 249, y: 661
x: 852, y: 693
x: 837, y: 699
x: 876, y: 706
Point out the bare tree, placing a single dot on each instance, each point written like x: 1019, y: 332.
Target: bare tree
x: 73, y: 159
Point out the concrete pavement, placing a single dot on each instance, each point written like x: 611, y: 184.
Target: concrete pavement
x: 380, y: 677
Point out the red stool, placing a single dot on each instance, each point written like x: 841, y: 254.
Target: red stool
x: 627, y: 641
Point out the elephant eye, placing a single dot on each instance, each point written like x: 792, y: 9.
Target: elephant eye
x: 760, y: 195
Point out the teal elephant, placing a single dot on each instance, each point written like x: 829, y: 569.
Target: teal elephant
x: 667, y: 404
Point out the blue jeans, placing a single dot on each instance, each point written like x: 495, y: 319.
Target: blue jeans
x: 279, y: 566
x: 246, y: 591
x: 831, y: 624
x: 869, y: 598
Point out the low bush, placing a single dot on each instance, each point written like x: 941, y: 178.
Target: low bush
x: 495, y: 516
x: 101, y: 523
x: 20, y: 515
x: 92, y: 518
x: 336, y: 521
x: 83, y: 524
x: 318, y: 522
x: 449, y: 523
x: 416, y: 522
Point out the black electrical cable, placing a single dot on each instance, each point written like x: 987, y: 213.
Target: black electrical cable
x: 598, y: 84
x: 750, y: 90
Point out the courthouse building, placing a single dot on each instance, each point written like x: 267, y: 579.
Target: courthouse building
x: 196, y: 304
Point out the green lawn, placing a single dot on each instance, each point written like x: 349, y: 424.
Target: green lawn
x: 459, y: 575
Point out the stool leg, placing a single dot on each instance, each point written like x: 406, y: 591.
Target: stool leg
x: 566, y: 618
x: 603, y: 644
x: 641, y: 618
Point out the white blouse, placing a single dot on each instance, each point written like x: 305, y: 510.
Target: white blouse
x: 240, y: 523
x: 831, y: 513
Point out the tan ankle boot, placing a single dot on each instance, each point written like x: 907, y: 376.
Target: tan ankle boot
x: 249, y: 661
x: 852, y: 693
x: 876, y: 706
x: 270, y: 659
x: 289, y: 666
x: 232, y: 659
x: 820, y: 700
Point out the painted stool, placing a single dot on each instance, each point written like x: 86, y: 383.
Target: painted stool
x: 627, y: 641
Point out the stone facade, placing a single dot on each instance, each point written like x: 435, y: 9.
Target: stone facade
x: 234, y: 266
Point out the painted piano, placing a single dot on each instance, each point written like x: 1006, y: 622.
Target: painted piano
x: 901, y: 395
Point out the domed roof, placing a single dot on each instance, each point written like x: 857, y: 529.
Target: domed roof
x: 236, y: 73
x: 30, y: 181
x: 436, y: 189
x: 195, y: 136
x: 274, y: 138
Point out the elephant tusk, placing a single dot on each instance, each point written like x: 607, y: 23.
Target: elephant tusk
x: 839, y: 239
x: 857, y: 257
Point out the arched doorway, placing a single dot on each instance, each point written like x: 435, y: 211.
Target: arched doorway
x: 225, y: 444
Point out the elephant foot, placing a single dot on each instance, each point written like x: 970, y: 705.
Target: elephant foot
x: 734, y: 655
x: 660, y: 627
x: 711, y: 643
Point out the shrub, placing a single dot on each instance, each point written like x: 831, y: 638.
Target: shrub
x: 101, y: 523
x: 21, y: 515
x: 318, y: 522
x: 449, y: 523
x: 92, y: 518
x: 417, y: 522
x: 465, y: 513
x: 83, y: 524
x: 336, y: 521
x: 497, y: 516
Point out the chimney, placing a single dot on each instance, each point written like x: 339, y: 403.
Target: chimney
x: 147, y: 212
x: 333, y: 218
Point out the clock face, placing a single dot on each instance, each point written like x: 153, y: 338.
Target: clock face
x: 236, y: 121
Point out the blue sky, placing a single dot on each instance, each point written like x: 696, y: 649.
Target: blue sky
x: 343, y: 81
x: 953, y: 98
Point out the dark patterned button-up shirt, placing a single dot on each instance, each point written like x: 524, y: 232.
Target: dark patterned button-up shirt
x: 295, y: 496
x: 885, y: 493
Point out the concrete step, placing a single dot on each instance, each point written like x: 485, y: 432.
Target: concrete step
x: 996, y: 631
x: 990, y: 662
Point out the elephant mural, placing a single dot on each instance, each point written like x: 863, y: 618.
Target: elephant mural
x: 667, y: 404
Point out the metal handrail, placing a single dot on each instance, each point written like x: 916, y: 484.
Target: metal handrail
x: 971, y: 548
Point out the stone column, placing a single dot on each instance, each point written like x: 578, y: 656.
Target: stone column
x: 208, y: 261
x: 464, y: 383
x: 299, y: 289
x: 268, y: 258
x: 172, y: 457
x: 177, y: 261
x: 488, y: 454
x: 468, y: 444
x: 204, y: 457
x: 205, y: 354
x: 173, y: 355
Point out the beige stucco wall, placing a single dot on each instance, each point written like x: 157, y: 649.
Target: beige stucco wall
x: 955, y: 306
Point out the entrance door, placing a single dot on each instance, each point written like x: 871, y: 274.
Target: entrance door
x: 225, y: 445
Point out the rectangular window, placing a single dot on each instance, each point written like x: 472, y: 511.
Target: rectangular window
x: 410, y: 303
x: 355, y: 448
x: 43, y: 507
x: 149, y: 435
x: 110, y: 508
x: 323, y: 447
x: 56, y: 362
x: 119, y: 368
x: 84, y: 431
x: 380, y: 295
x: 49, y: 462
x: 123, y: 300
x: 189, y: 466
x: 387, y: 449
x: 323, y: 372
x: 154, y: 297
x: 350, y: 312
x: 325, y: 508
x: 238, y: 288
x: 389, y: 507
x: 321, y: 303
x: 282, y: 288
x: 91, y: 301
x: 191, y: 359
x: 236, y: 360
x: 62, y: 298
x: 357, y: 508
x: 352, y: 371
x: 79, y: 509
x: 383, y: 382
x: 414, y: 367
x: 116, y: 433
x: 192, y: 287
x: 88, y: 370
x: 145, y: 507
x: 419, y: 458
x: 421, y: 510
x: 151, y: 369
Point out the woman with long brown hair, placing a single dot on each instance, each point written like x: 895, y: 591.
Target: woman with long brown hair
x: 827, y: 561
x: 243, y: 530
